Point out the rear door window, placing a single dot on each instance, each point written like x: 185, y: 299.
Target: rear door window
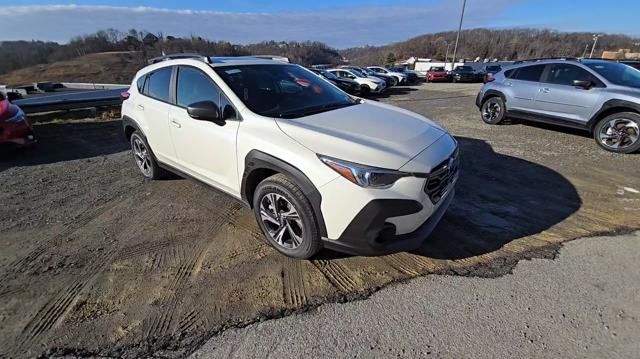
x: 158, y: 84
x: 528, y: 73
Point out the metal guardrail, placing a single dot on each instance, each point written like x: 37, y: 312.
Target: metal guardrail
x: 71, y: 100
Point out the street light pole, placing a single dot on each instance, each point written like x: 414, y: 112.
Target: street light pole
x: 455, y: 48
x: 595, y: 42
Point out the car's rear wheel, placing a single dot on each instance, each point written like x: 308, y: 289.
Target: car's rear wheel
x: 619, y: 132
x: 493, y: 110
x: 144, y: 158
x: 286, y: 217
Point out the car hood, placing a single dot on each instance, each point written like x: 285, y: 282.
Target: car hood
x: 369, y: 133
x: 345, y: 81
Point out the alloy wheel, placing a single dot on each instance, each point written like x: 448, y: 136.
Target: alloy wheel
x: 281, y: 220
x: 491, y: 111
x: 619, y: 133
x: 141, y: 155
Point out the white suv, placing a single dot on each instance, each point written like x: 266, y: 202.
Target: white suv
x: 318, y: 167
x: 367, y: 84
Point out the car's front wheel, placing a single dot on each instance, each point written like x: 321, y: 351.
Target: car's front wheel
x: 619, y: 132
x: 144, y: 158
x: 286, y: 217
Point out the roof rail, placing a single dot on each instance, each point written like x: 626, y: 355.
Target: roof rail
x: 180, y: 55
x: 566, y: 58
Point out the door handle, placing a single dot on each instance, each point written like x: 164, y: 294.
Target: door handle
x: 140, y: 107
x: 176, y: 124
x: 545, y: 90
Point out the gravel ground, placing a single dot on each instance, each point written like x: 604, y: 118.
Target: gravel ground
x: 583, y: 304
x: 97, y: 261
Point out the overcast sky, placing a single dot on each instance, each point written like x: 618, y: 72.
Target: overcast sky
x: 338, y: 23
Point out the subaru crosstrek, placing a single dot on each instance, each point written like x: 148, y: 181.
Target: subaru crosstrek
x: 318, y: 167
x: 602, y: 97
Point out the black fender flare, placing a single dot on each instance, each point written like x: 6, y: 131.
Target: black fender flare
x: 609, y: 105
x: 493, y: 93
x: 257, y: 160
x: 129, y: 122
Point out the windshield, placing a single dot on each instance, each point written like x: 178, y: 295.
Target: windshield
x: 616, y: 73
x: 494, y: 68
x: 464, y: 68
x: 329, y: 75
x: 285, y: 91
x: 437, y: 69
x: 358, y: 73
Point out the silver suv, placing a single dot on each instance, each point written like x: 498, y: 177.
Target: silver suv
x: 599, y: 96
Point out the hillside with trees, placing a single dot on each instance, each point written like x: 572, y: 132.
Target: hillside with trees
x: 509, y: 44
x: 29, y: 61
x: 24, y: 61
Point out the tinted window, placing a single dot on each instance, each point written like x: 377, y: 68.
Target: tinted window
x: 494, y: 68
x: 195, y: 86
x: 286, y: 91
x: 140, y: 83
x: 509, y: 73
x: 565, y: 74
x: 158, y: 84
x: 528, y: 73
x: 616, y: 73
x: 437, y: 68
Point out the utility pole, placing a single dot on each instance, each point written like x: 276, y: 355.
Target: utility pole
x: 584, y: 53
x: 595, y: 42
x: 455, y: 48
x: 446, y: 56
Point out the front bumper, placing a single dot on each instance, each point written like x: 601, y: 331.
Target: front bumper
x: 369, y: 234
x: 369, y: 221
x: 19, y: 135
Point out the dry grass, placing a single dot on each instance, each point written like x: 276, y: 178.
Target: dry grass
x: 105, y: 67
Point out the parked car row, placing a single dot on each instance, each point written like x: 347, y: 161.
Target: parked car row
x: 463, y: 73
x: 366, y: 80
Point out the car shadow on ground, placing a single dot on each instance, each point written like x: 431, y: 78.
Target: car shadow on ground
x: 59, y: 142
x: 498, y: 199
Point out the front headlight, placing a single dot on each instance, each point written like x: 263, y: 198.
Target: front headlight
x: 364, y: 176
x: 17, y: 118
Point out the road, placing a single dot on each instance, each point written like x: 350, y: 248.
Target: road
x: 97, y: 261
x: 583, y: 304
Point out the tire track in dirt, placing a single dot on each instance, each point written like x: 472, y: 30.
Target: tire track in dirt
x: 160, y: 325
x: 409, y: 264
x: 340, y: 276
x: 42, y: 246
x: 293, y: 287
x: 59, y: 305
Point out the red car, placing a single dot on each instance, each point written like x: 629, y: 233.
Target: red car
x: 437, y: 74
x: 15, y: 128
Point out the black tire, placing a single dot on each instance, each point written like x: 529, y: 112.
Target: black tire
x: 151, y: 170
x: 622, y: 127
x: 305, y: 229
x: 365, y: 90
x: 493, y: 110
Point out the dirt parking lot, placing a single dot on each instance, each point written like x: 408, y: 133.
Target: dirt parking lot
x: 95, y: 260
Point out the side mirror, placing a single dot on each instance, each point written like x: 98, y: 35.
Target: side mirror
x: 205, y: 111
x: 585, y: 84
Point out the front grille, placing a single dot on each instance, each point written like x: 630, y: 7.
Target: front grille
x: 441, y: 177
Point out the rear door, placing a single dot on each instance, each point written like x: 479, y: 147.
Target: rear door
x: 558, y: 97
x: 155, y: 104
x: 522, y: 87
x: 206, y: 150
